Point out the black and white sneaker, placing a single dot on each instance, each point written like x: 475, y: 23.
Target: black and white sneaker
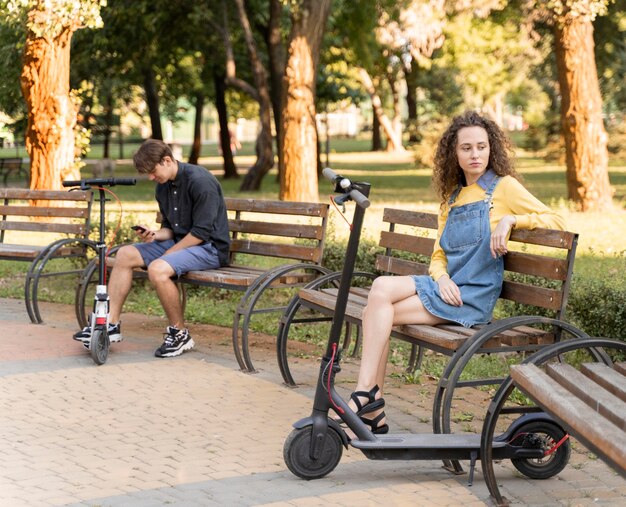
x: 176, y: 341
x: 115, y: 334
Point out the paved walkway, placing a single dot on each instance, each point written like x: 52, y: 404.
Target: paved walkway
x: 193, y: 430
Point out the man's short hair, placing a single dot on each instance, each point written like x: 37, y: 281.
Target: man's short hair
x: 149, y: 154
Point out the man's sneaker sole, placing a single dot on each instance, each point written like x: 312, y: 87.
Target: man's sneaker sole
x: 187, y: 346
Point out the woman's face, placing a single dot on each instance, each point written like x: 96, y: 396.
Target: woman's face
x: 472, y: 152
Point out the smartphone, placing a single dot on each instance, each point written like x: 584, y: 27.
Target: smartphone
x: 138, y: 228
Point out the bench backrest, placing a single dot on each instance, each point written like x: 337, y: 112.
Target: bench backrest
x: 65, y: 212
x: 10, y: 163
x: 548, y: 276
x: 257, y: 227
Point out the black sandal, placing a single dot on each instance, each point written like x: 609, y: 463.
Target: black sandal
x: 370, y: 406
x: 373, y: 424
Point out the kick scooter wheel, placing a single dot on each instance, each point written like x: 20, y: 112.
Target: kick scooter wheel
x: 297, y: 454
x: 99, y: 345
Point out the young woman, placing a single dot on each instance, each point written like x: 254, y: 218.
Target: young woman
x: 481, y: 202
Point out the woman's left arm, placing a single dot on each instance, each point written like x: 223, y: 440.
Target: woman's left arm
x: 522, y: 210
x: 528, y: 211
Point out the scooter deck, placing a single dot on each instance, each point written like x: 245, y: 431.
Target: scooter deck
x: 423, y: 446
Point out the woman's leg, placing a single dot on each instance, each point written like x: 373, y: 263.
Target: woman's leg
x: 392, y: 301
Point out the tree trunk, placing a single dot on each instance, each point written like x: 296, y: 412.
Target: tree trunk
x: 377, y: 142
x: 394, y: 139
x: 152, y: 100
x: 230, y: 169
x: 45, y: 83
x: 196, y: 145
x: 395, y: 143
x: 276, y: 53
x: 264, y: 150
x: 585, y: 138
x: 299, y: 133
x: 411, y: 75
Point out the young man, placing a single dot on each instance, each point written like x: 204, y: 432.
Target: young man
x: 193, y: 236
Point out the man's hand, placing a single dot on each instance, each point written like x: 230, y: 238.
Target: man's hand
x: 500, y: 236
x: 146, y: 235
x: 449, y: 291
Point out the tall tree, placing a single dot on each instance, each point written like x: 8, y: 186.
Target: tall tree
x: 45, y: 83
x: 298, y: 137
x: 264, y: 149
x: 585, y: 137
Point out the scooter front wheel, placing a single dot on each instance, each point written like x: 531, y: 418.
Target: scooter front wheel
x: 296, y: 453
x: 99, y: 346
x: 543, y: 435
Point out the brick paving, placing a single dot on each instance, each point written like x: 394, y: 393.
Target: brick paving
x: 193, y: 430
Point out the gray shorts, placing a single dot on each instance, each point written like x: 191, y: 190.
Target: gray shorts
x: 194, y: 258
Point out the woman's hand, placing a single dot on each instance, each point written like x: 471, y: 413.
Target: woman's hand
x: 449, y: 291
x: 500, y: 236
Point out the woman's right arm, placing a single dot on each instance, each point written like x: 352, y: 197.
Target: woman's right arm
x: 438, y: 269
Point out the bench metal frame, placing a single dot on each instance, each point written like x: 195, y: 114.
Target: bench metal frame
x: 596, y: 346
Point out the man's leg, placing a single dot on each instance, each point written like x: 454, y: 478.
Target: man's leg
x: 160, y: 273
x: 118, y: 287
x: 121, y: 279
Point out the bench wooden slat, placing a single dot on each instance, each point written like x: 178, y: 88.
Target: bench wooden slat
x: 277, y: 229
x: 613, y: 381
x: 74, y: 229
x: 50, y: 195
x: 276, y: 207
x: 531, y: 295
x: 583, y: 387
x: 402, y: 267
x: 536, y: 265
x: 242, y: 278
x: 301, y: 252
x: 594, y: 431
x: 31, y: 251
x: 620, y: 367
x: 35, y: 211
x: 545, y: 237
x: 414, y: 218
x: 408, y: 243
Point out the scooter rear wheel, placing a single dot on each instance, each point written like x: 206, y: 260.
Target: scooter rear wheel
x: 296, y: 453
x: 545, y: 435
x: 99, y: 345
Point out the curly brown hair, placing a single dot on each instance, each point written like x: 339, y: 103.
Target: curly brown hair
x: 447, y: 174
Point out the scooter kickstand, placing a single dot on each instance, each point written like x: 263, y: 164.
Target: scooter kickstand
x: 473, y: 457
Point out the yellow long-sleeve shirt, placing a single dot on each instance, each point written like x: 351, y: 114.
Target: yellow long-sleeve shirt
x: 509, y: 198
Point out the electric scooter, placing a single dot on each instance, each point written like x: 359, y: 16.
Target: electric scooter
x: 537, y: 446
x: 99, y: 343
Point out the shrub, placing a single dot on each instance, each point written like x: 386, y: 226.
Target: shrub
x: 597, y: 307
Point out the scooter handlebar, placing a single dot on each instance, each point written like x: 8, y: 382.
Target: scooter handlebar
x: 100, y: 182
x: 346, y: 185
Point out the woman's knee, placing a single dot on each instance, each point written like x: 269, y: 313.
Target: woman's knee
x: 382, y: 290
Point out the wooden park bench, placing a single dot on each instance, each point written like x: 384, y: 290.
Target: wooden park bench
x: 261, y: 230
x: 13, y: 173
x: 536, y: 273
x: 65, y: 213
x: 589, y: 401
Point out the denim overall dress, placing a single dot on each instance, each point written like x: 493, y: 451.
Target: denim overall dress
x: 466, y: 242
